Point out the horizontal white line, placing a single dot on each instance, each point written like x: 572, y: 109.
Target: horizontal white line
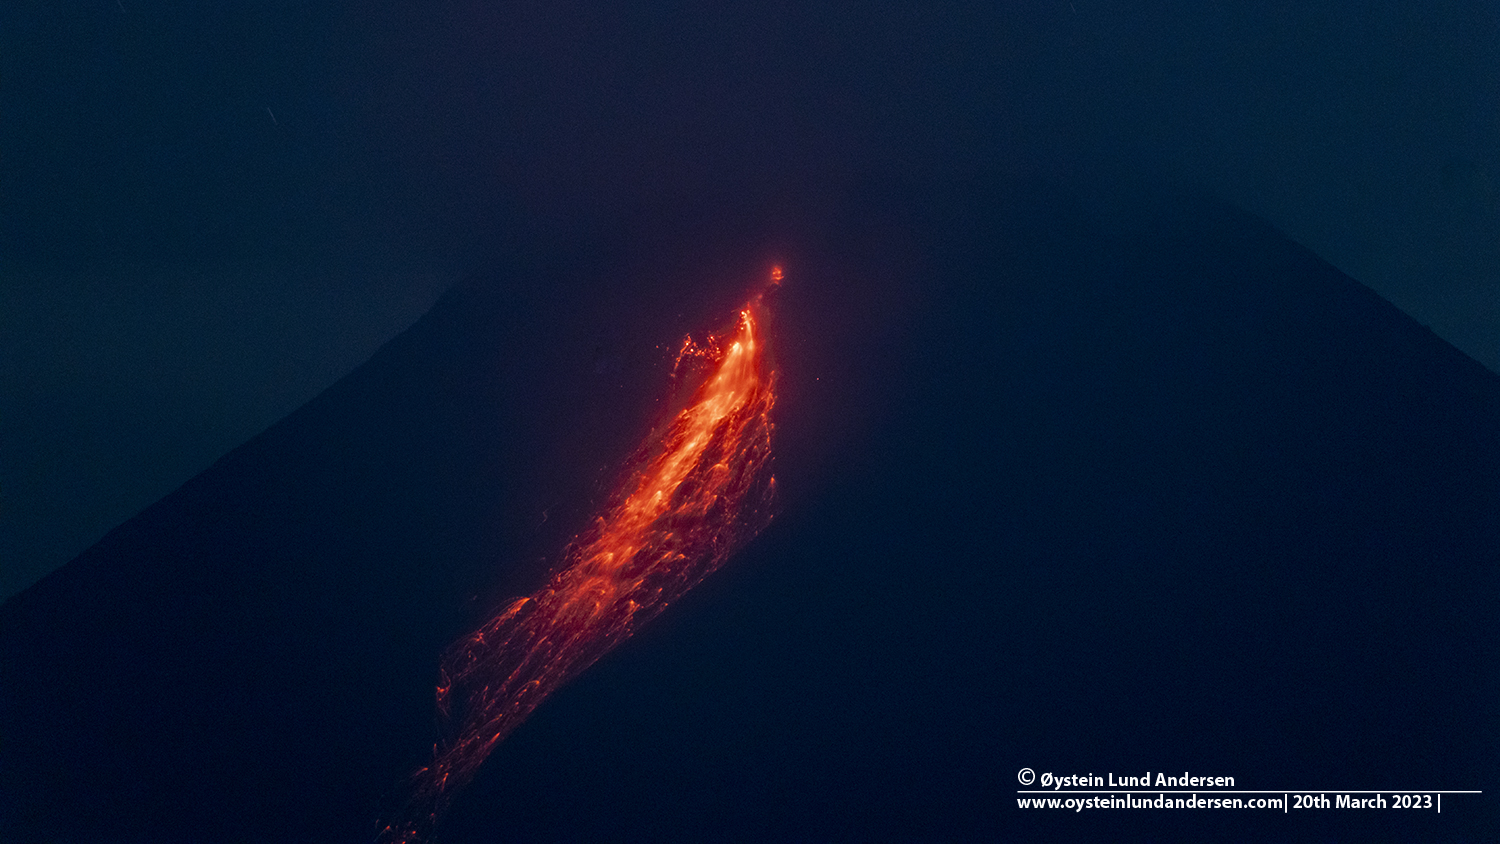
x: 1244, y: 791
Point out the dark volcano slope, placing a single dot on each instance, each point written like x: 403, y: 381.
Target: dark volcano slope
x: 1070, y: 492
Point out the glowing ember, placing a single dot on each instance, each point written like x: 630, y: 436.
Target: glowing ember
x: 698, y: 492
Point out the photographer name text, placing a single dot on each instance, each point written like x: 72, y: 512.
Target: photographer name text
x: 1146, y: 780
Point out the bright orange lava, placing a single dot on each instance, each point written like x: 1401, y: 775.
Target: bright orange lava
x: 701, y: 492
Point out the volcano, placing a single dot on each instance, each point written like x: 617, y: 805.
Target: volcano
x: 1069, y: 481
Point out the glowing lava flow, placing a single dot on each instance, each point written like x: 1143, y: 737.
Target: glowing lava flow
x: 699, y: 494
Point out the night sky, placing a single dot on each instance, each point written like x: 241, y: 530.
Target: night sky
x: 211, y: 212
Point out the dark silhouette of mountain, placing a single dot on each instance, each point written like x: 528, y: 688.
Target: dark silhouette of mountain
x: 1083, y: 487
